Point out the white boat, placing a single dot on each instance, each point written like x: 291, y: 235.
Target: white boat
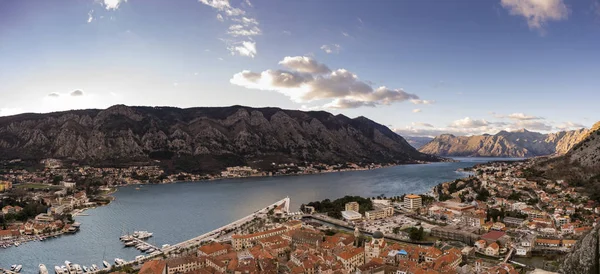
x: 57, y: 269
x: 12, y: 267
x: 106, y: 264
x: 85, y: 269
x: 64, y: 269
x: 166, y: 245
x: 18, y: 268
x: 78, y: 269
x: 16, y: 243
x: 68, y: 264
x: 139, y: 257
x: 150, y: 250
x: 94, y: 267
x: 43, y: 269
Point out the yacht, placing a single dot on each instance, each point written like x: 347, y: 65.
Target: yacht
x: 130, y: 243
x: 18, y: 268
x: 43, y: 269
x: 106, y: 264
x: 16, y: 243
x: 64, y: 269
x: 139, y: 257
x: 12, y: 267
x: 85, y: 269
x: 57, y: 269
x: 78, y: 269
x: 150, y: 250
x: 166, y: 245
x: 94, y: 267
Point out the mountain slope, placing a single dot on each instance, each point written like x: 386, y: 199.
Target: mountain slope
x: 213, y: 136
x: 417, y: 142
x: 520, y: 143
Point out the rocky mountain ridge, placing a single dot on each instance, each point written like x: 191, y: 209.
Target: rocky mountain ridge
x: 214, y: 136
x: 522, y: 143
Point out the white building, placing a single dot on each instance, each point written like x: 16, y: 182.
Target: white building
x: 413, y: 201
x: 351, y: 215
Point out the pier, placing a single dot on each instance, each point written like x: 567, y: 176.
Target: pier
x: 215, y: 233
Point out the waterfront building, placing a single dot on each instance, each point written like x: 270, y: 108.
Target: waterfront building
x: 351, y: 215
x: 547, y: 242
x: 183, y: 264
x: 514, y: 222
x: 454, y: 233
x: 379, y: 213
x: 213, y: 249
x: 473, y: 219
x: 154, y: 267
x: 412, y: 201
x: 240, y: 242
x: 352, y: 206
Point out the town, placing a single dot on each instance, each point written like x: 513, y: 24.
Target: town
x: 39, y: 201
x: 495, y: 220
x: 485, y: 223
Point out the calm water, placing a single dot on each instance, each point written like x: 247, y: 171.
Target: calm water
x: 177, y: 212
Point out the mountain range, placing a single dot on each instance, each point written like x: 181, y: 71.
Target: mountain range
x: 521, y: 143
x: 205, y: 138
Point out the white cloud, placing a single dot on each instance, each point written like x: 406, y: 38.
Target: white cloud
x: 345, y: 34
x: 333, y: 48
x: 304, y: 64
x: 422, y: 102
x: 570, y: 126
x: 245, y: 48
x: 310, y: 80
x: 523, y: 117
x: 287, y: 32
x: 248, y: 3
x: 113, y: 4
x: 467, y: 122
x: 222, y: 6
x: 90, y: 16
x: 416, y: 110
x: 537, y: 12
x: 54, y: 95
x: 241, y: 30
x: 421, y: 124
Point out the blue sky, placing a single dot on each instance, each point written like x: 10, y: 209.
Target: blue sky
x: 419, y: 67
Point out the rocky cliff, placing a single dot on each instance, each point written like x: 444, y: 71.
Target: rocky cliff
x: 585, y: 256
x: 218, y: 136
x: 520, y: 143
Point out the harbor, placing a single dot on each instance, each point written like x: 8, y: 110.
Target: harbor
x: 155, y: 206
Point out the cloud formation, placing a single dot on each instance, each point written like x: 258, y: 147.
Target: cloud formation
x: 245, y: 48
x: 523, y: 117
x: 416, y: 110
x: 307, y: 80
x: 242, y: 28
x: 76, y: 93
x: 537, y: 12
x: 54, y: 95
x: 304, y: 64
x: 112, y: 4
x: 90, y: 16
x: 422, y: 102
x: 333, y: 48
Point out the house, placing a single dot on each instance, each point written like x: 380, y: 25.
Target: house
x: 521, y: 251
x: 352, y: 258
x: 492, y: 236
x: 498, y: 226
x: 492, y: 250
x: 513, y: 222
x: 547, y: 242
x: 213, y: 249
x: 154, y: 267
x: 568, y: 243
x: 480, y: 245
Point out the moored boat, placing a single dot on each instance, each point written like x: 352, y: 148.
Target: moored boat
x: 18, y: 268
x: 43, y: 269
x: 106, y: 264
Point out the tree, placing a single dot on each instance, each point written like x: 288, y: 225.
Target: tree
x: 416, y: 234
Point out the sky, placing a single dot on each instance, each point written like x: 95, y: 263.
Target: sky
x: 422, y: 68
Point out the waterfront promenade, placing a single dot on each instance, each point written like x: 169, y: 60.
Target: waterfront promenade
x: 196, y: 241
